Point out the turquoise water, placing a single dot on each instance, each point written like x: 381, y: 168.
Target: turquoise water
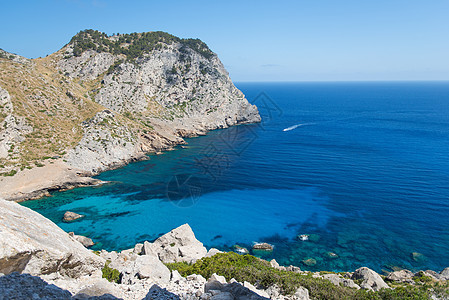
x: 362, y: 167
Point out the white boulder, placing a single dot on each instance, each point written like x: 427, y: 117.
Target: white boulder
x: 178, y: 245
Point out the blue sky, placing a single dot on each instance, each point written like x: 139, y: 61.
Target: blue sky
x: 302, y: 40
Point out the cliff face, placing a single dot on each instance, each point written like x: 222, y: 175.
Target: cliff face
x: 116, y: 98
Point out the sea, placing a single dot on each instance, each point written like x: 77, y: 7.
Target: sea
x: 360, y: 170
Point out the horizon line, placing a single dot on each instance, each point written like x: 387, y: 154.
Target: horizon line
x: 341, y: 81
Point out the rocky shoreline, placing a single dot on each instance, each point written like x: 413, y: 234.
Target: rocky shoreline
x: 38, y: 260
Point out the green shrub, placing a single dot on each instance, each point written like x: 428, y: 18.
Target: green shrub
x: 420, y: 277
x: 112, y: 275
x: 137, y: 44
x: 10, y: 173
x: 259, y: 272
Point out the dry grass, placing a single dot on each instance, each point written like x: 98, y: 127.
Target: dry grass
x: 51, y: 103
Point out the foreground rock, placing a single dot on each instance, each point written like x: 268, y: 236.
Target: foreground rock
x: 218, y: 288
x: 371, y: 280
x: 445, y: 274
x: 180, y: 244
x: 401, y: 276
x: 156, y: 292
x: 339, y: 281
x: 30, y: 243
x: 135, y: 267
x: 25, y: 286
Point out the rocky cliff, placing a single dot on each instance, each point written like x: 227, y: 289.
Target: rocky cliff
x: 102, y: 101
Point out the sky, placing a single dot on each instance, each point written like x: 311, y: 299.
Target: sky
x: 300, y: 40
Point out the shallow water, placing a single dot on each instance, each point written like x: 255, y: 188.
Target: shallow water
x: 366, y: 174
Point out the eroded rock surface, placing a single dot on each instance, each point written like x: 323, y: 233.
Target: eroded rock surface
x: 180, y: 244
x: 30, y: 243
x: 371, y: 280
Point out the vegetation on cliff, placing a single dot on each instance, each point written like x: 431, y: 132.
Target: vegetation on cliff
x: 132, y: 45
x: 260, y: 273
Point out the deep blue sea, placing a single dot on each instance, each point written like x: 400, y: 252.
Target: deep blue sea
x: 363, y: 170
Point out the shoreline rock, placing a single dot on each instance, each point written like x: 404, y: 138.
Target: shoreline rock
x: 85, y: 241
x: 263, y: 247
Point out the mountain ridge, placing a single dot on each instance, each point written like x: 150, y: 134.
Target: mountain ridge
x: 102, y: 101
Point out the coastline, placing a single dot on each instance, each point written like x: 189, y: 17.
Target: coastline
x: 31, y: 184
x: 57, y: 175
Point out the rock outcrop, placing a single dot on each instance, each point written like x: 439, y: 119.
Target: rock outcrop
x: 401, y: 276
x: 25, y: 286
x: 133, y: 267
x: 445, y: 274
x: 370, y: 279
x: 106, y: 143
x: 30, y: 243
x: 12, y: 128
x: 339, y: 281
x: 180, y: 244
x: 263, y: 246
x: 70, y: 216
x: 85, y: 241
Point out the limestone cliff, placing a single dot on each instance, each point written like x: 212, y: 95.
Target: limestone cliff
x: 102, y: 101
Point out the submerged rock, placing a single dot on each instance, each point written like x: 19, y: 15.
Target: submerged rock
x: 314, y: 238
x: 418, y: 257
x: 309, y: 262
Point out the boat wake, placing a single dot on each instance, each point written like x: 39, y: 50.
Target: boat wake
x: 296, y: 126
